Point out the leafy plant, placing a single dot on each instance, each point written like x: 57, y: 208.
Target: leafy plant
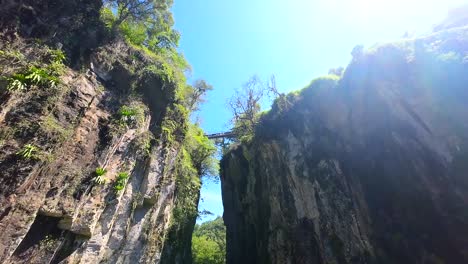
x: 130, y: 116
x: 142, y: 22
x: 44, y: 72
x: 100, y: 178
x: 142, y: 144
x: 28, y: 151
x: 135, y: 33
x: 16, y: 83
x: 34, y: 76
x: 100, y: 171
x: 107, y: 17
x: 127, y: 112
x: 120, y: 182
x: 56, y: 66
x: 12, y: 55
x: 202, y: 151
x: 57, y: 56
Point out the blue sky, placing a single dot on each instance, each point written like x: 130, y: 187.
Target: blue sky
x: 226, y: 42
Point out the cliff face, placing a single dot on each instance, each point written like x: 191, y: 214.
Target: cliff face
x: 115, y: 114
x: 367, y: 168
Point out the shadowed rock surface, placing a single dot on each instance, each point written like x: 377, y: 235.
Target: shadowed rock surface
x: 370, y: 167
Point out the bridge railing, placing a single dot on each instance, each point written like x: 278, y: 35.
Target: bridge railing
x: 228, y: 134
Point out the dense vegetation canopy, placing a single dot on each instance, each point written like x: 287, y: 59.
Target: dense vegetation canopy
x: 209, y: 242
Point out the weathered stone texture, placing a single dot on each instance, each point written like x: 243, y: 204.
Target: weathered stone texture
x: 370, y: 168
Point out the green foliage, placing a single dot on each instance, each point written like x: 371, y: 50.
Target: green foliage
x: 57, y: 56
x: 100, y: 171
x: 131, y: 116
x: 202, y: 151
x: 147, y: 27
x: 167, y: 130
x: 42, y: 76
x: 319, y: 85
x: 189, y: 185
x: 174, y: 127
x: 120, y: 182
x: 145, y: 23
x: 209, y: 242
x: 142, y: 144
x: 127, y: 114
x: 245, y: 128
x: 12, y: 55
x: 206, y: 251
x: 107, y: 17
x: 194, y: 161
x: 170, y: 72
x: 55, y: 67
x: 99, y: 176
x: 135, y: 33
x: 17, y: 83
x: 28, y: 151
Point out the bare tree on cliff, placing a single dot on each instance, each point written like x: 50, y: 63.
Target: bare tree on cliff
x: 245, y: 105
x: 198, y: 93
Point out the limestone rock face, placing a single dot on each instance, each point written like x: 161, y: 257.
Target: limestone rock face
x: 52, y: 209
x: 370, y: 167
x: 109, y: 107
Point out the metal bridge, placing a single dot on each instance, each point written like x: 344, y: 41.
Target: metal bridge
x: 228, y: 134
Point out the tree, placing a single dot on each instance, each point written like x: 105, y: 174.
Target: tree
x: 198, y: 93
x: 209, y: 242
x: 245, y: 105
x: 143, y: 22
x: 141, y: 10
x: 206, y: 251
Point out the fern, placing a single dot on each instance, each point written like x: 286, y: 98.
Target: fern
x: 100, y: 180
x: 120, y: 182
x: 46, y: 76
x: 58, y: 56
x: 15, y: 85
x: 100, y: 171
x: 34, y: 77
x: 27, y: 152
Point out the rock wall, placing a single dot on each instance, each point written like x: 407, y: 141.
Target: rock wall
x: 368, y: 167
x: 52, y: 207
